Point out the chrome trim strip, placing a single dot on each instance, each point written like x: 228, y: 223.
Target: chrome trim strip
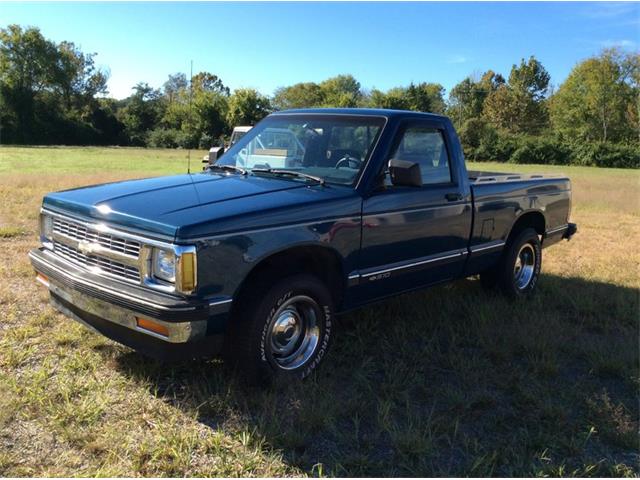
x: 484, y: 246
x: 557, y: 229
x: 460, y: 253
x: 353, y: 279
x: 220, y: 302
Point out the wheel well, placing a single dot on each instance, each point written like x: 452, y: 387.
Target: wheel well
x: 322, y: 262
x: 533, y: 220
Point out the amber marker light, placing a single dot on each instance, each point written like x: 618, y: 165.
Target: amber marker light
x: 152, y: 326
x: 187, y: 272
x: 40, y: 278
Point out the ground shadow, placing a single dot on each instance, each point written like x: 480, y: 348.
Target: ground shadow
x: 450, y: 381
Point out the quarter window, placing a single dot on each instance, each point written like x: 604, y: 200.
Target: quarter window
x: 426, y: 147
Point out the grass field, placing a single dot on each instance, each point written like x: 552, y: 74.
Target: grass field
x: 450, y: 381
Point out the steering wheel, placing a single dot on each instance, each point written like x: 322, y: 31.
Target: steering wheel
x: 349, y: 161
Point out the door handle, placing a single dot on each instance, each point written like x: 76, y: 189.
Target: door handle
x: 452, y: 197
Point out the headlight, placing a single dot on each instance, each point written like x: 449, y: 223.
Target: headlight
x: 164, y: 265
x: 177, y: 266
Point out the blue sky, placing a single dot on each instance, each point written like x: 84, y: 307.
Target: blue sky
x: 267, y: 45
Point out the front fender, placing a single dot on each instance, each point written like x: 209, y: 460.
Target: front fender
x: 224, y: 262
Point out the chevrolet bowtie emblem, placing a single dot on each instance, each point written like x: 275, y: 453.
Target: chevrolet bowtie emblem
x: 87, y: 247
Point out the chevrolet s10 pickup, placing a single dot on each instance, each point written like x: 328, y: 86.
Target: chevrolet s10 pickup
x: 310, y: 214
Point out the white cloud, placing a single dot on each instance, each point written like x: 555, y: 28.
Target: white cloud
x: 457, y: 59
x: 611, y: 9
x: 624, y: 43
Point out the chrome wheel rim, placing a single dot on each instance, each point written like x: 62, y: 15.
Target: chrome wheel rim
x: 525, y: 266
x: 294, y: 332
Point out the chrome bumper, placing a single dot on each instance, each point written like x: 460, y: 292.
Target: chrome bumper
x: 193, y: 327
x: 178, y: 332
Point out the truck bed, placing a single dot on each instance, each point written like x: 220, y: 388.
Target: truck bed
x: 479, y: 177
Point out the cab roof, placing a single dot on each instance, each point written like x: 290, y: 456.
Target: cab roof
x: 378, y: 112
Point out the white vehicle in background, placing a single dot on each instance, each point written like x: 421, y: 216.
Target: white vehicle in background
x: 238, y: 133
x: 215, y: 152
x: 272, y: 148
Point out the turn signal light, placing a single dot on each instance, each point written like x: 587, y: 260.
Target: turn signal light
x: 42, y: 279
x: 152, y: 326
x: 187, y: 272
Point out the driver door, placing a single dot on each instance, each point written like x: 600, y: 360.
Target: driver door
x: 415, y: 236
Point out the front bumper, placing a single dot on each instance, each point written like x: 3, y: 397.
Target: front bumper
x: 193, y: 327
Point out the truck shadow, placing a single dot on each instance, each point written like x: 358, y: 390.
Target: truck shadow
x: 449, y: 381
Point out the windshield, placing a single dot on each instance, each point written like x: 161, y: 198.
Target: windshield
x: 236, y: 135
x: 331, y: 147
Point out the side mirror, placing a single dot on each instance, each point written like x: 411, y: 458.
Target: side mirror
x: 215, y: 153
x: 405, y: 173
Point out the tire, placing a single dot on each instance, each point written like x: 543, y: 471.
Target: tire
x: 519, y: 268
x: 283, y: 331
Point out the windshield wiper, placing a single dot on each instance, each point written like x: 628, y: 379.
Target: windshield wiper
x: 228, y: 168
x: 293, y: 173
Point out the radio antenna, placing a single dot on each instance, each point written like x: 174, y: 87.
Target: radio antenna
x: 190, y: 123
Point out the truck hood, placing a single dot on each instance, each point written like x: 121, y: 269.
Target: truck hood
x: 185, y: 206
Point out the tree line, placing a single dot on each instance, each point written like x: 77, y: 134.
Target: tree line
x: 53, y: 93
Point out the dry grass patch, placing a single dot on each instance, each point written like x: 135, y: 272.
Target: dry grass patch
x: 450, y: 381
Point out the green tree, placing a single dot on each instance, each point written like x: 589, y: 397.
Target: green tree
x: 600, y: 98
x: 209, y: 82
x: 141, y: 112
x: 247, y: 107
x: 466, y: 100
x: 519, y: 106
x: 300, y: 95
x: 530, y: 78
x: 393, y: 99
x: 341, y: 91
x: 27, y: 67
x: 176, y: 83
x: 48, y: 90
x: 77, y: 77
x: 195, y: 115
x: 421, y: 97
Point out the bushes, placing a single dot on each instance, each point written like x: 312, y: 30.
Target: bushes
x: 606, y: 155
x: 482, y: 142
x: 542, y: 151
x: 551, y: 151
x: 165, y: 138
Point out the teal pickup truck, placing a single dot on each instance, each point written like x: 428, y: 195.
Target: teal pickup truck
x: 312, y: 213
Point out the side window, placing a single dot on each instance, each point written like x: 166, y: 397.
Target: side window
x: 426, y: 147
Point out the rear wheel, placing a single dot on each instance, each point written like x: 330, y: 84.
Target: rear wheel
x: 282, y: 331
x: 518, y: 270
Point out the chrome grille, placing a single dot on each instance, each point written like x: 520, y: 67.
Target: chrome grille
x: 79, y: 232
x: 89, y: 261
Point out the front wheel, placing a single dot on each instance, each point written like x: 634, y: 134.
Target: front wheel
x: 285, y: 331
